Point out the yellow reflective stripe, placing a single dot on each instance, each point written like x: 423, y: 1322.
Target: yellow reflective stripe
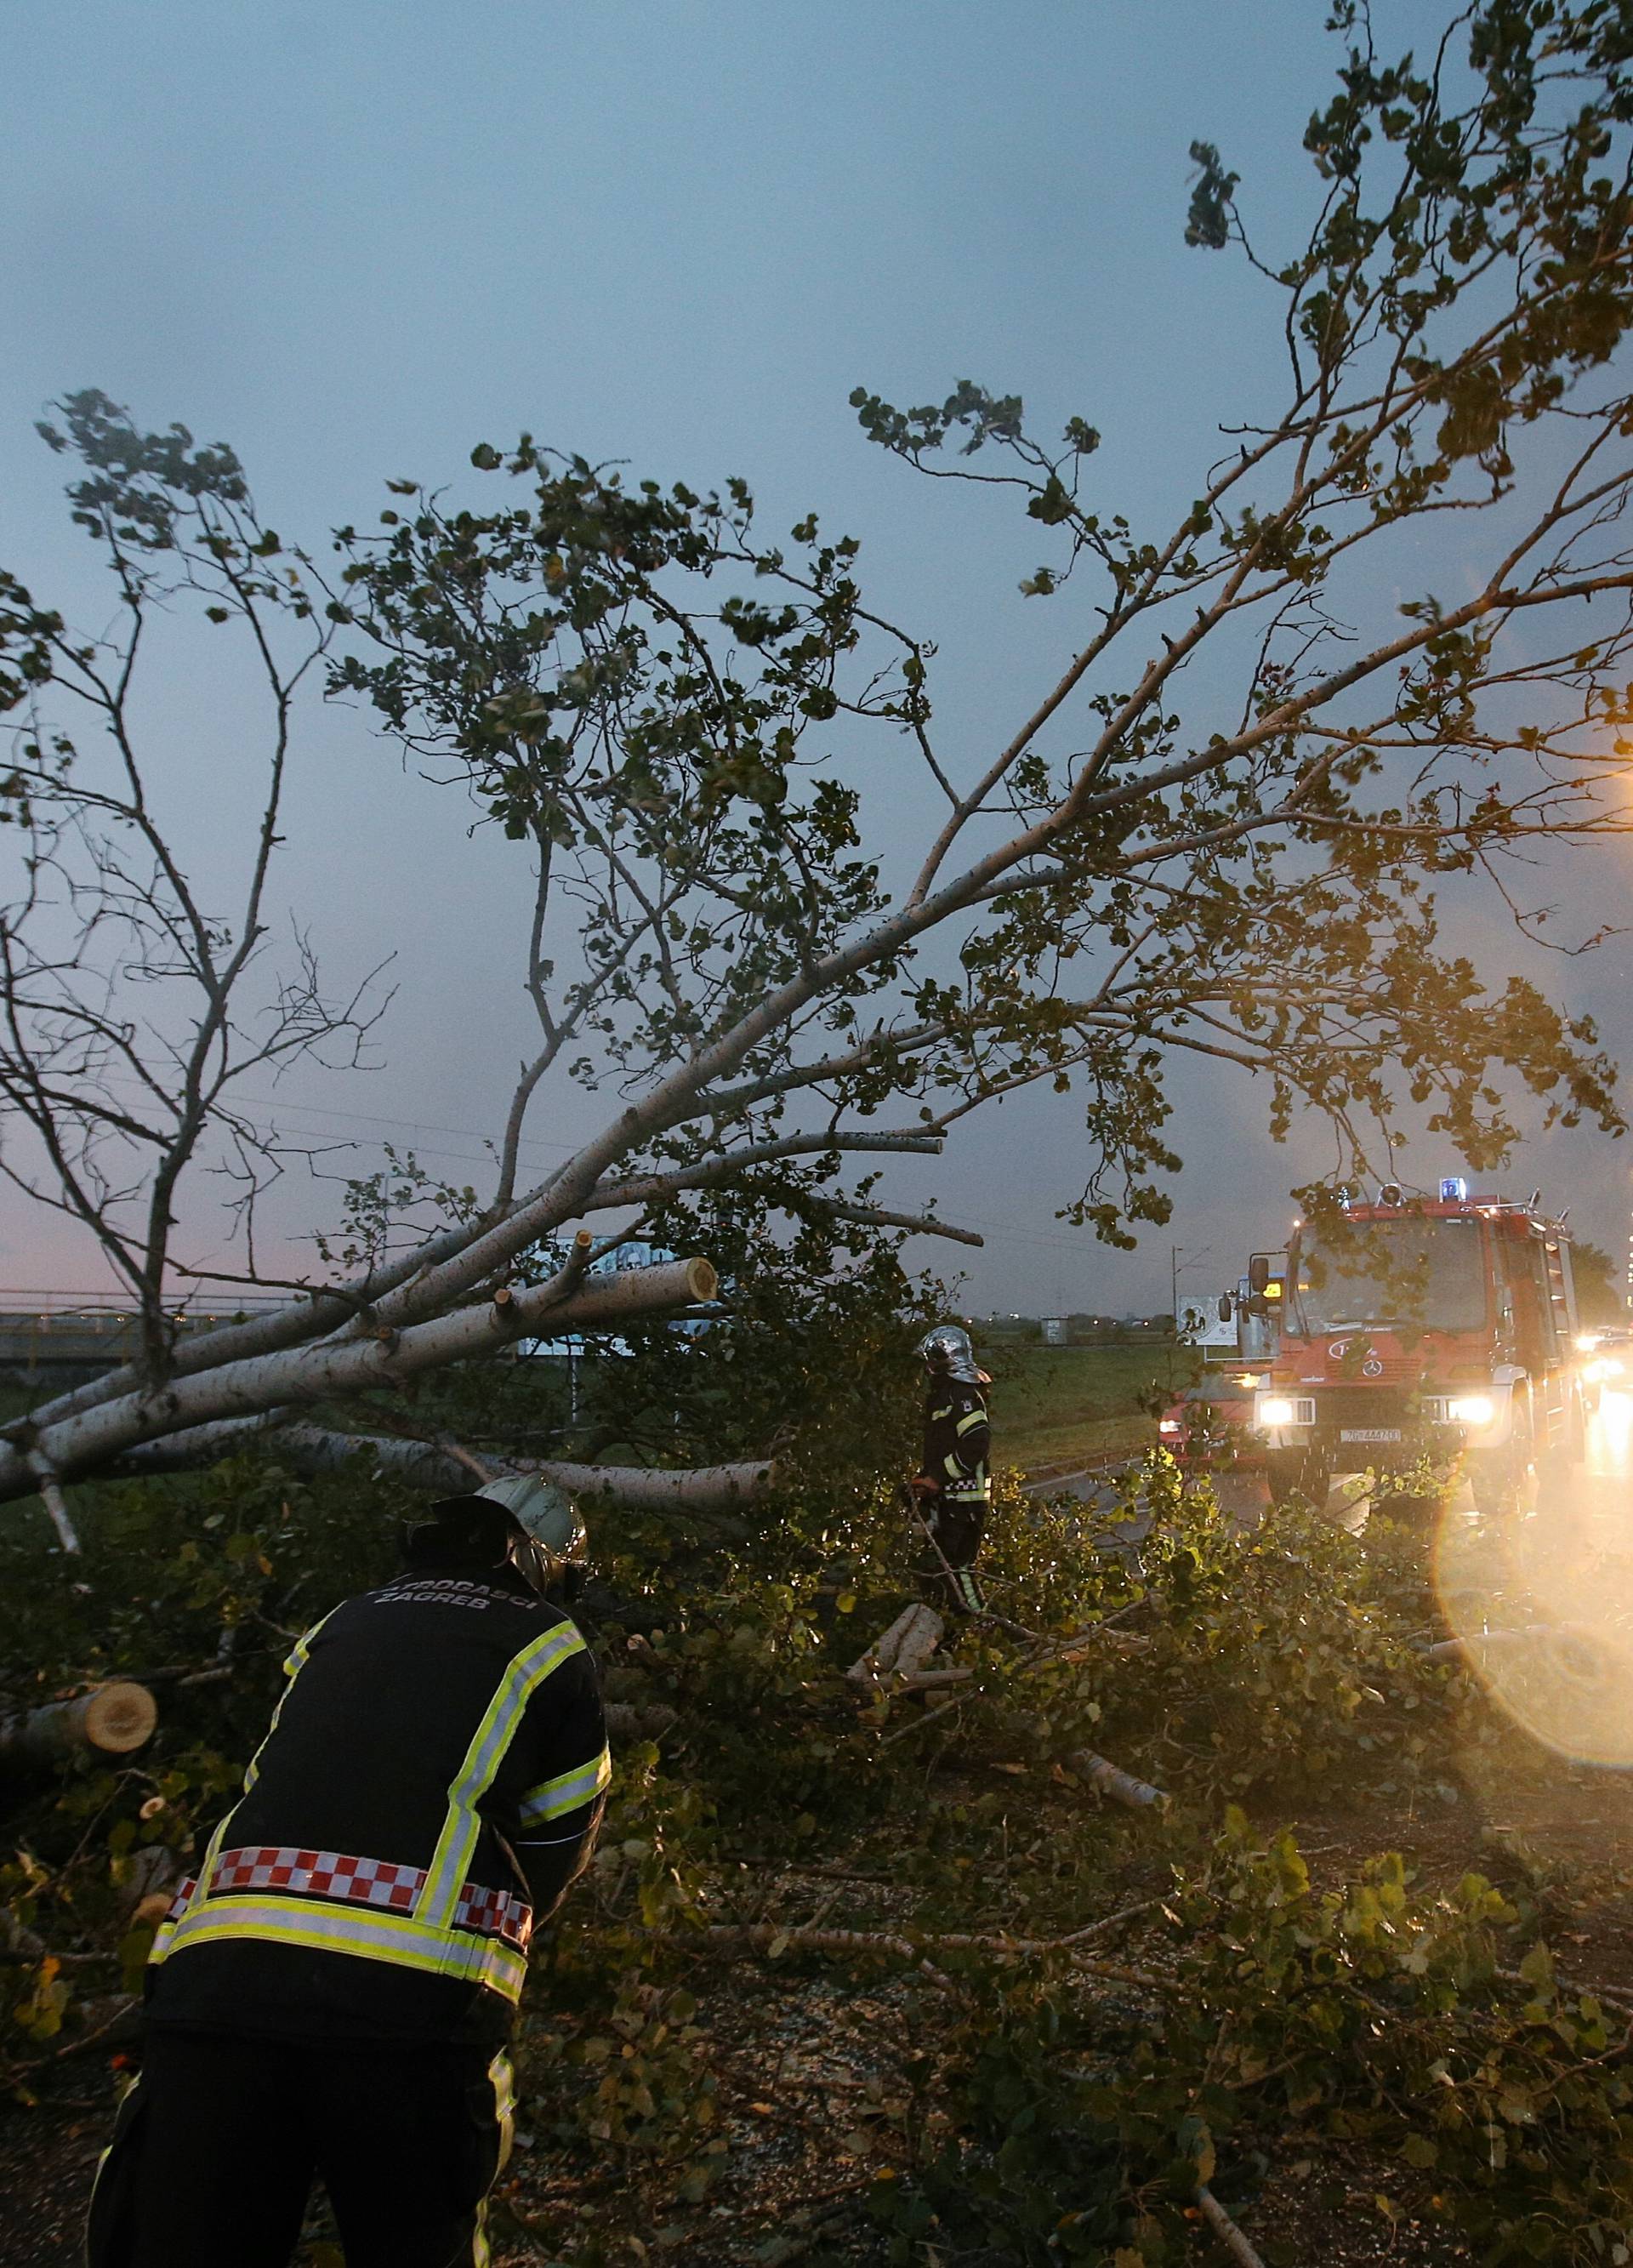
x: 567, y: 1791
x: 101, y: 2163
x: 300, y: 1655
x: 503, y: 2080
x: 298, y: 1661
x: 451, y: 1859
x: 953, y: 1467
x: 395, y: 1938
x: 972, y: 1419
x: 201, y: 1884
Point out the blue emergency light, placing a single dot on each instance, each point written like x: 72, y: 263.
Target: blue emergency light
x: 1453, y: 1189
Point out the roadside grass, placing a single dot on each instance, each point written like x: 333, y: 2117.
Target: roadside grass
x: 1055, y: 1407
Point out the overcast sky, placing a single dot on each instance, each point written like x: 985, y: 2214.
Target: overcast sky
x: 353, y: 241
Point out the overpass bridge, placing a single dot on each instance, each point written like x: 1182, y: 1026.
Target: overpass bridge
x: 63, y: 1337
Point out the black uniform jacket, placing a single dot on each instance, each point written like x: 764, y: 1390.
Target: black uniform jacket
x: 431, y: 1782
x: 958, y: 1441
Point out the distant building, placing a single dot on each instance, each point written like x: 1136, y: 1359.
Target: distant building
x: 1053, y: 1327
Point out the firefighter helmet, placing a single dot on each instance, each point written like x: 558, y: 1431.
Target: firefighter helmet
x: 949, y: 1352
x: 553, y: 1547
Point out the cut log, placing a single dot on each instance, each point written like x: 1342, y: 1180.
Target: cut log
x: 1110, y: 1779
x: 114, y: 1719
x: 904, y: 1648
x: 882, y: 1653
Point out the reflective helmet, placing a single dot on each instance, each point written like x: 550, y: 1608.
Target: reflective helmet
x: 948, y: 1351
x: 552, y: 1547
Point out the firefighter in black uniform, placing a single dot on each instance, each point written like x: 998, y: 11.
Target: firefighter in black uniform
x: 331, y: 1995
x: 953, y: 1492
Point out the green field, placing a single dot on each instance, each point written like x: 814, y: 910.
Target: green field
x: 1060, y: 1406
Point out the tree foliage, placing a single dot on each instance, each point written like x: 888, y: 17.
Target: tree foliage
x: 680, y: 720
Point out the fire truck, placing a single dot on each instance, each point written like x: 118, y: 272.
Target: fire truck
x: 1412, y: 1330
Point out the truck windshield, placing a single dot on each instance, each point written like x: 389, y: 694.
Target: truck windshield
x: 1428, y: 1273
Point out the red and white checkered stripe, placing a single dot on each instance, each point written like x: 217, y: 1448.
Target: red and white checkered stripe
x: 363, y: 1882
x: 320, y: 1874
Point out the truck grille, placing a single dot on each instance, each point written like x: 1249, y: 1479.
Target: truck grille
x: 1361, y: 1405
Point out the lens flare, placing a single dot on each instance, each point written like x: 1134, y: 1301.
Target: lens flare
x: 1542, y: 1598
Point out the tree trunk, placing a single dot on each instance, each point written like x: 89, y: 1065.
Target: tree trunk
x: 114, y: 1719
x: 428, y: 1465
x: 90, y: 1442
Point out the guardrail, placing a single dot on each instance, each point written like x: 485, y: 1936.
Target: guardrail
x: 218, y: 1308
x: 47, y: 1330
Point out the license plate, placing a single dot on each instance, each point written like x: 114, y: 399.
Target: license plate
x: 1369, y: 1434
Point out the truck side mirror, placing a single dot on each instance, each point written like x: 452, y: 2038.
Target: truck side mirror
x: 1225, y: 1306
x: 1259, y: 1273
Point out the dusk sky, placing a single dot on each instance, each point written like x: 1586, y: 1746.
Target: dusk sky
x: 355, y: 241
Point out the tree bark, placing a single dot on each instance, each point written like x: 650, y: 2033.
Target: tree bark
x: 903, y: 1649
x: 114, y: 1719
x: 428, y: 1465
x: 88, y: 1442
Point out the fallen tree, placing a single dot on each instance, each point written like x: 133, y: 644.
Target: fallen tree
x: 428, y: 1465
x: 1211, y: 831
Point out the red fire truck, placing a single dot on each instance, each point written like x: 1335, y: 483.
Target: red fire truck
x: 1414, y: 1328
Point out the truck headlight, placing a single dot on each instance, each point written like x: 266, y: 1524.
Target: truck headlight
x: 1476, y: 1409
x: 1276, y: 1410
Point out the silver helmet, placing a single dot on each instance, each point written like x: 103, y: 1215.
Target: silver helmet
x: 948, y: 1351
x: 552, y: 1549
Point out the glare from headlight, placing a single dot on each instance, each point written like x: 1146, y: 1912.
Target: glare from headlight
x: 1476, y: 1409
x: 1169, y: 1425
x: 1610, y: 1365
x: 1276, y: 1411
x: 1586, y: 1341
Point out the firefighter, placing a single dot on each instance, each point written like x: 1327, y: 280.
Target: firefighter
x: 953, y: 1492
x: 332, y: 1994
